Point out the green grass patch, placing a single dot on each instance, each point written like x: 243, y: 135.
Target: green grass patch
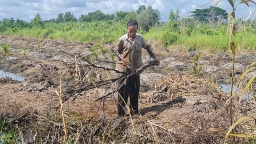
x: 202, y: 36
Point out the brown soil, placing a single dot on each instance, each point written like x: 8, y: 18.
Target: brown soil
x: 179, y: 108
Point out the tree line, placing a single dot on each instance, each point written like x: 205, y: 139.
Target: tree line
x: 146, y: 16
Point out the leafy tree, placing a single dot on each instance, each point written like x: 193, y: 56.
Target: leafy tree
x: 172, y: 16
x: 211, y: 13
x: 21, y: 24
x: 2, y: 28
x: 148, y: 18
x: 94, y: 16
x: 144, y: 20
x: 98, y: 15
x: 51, y: 20
x: 131, y: 15
x: 69, y: 17
x: 173, y: 20
x: 109, y: 16
x: 85, y: 18
x: 120, y: 15
x: 154, y: 16
x: 37, y: 21
x: 8, y: 22
x: 60, y: 18
x: 12, y: 20
x: 140, y: 9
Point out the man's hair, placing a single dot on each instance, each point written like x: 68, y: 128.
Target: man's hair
x: 132, y: 23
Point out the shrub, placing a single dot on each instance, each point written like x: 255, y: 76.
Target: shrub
x: 169, y: 38
x: 211, y: 32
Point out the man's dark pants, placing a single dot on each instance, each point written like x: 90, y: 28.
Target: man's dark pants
x: 129, y: 88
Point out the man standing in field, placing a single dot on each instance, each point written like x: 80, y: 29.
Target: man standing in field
x: 129, y: 48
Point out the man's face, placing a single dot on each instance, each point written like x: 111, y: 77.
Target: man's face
x: 132, y: 30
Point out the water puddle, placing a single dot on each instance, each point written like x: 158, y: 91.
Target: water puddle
x: 227, y: 89
x: 11, y: 75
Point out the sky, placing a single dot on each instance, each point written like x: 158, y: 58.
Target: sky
x: 49, y: 9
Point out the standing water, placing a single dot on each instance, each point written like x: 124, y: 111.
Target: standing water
x: 227, y: 89
x: 11, y: 75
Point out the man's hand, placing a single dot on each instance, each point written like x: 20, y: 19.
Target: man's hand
x: 123, y: 63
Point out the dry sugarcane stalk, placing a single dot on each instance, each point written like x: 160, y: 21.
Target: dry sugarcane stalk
x: 105, y: 82
x: 61, y: 110
x: 137, y: 71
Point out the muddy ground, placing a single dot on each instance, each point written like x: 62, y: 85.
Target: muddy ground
x: 176, y: 106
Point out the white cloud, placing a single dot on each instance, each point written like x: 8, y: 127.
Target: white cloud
x: 68, y: 3
x: 9, y: 3
x: 109, y: 3
x: 159, y: 6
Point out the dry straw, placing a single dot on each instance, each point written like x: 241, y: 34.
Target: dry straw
x: 61, y: 111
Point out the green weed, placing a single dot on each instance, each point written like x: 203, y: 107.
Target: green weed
x: 94, y: 51
x: 16, y: 66
x: 2, y: 126
x: 7, y: 135
x: 197, y: 67
x: 104, y: 51
x: 88, y: 59
x: 24, y: 48
x: 112, y: 57
x: 6, y: 50
x: 38, y: 47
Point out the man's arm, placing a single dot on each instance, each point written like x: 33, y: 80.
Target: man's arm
x: 148, y: 48
x: 119, y: 49
x: 151, y: 54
